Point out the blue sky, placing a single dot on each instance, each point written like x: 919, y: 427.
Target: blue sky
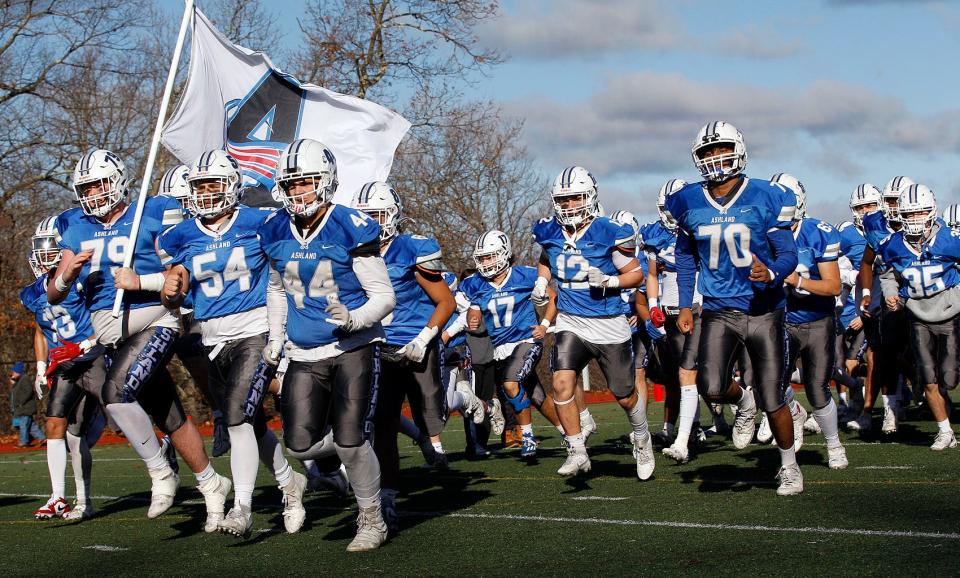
x: 836, y: 92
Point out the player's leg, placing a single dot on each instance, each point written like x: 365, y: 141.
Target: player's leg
x: 720, y: 346
x: 798, y: 335
x: 684, y: 348
x: 428, y: 403
x: 191, y: 353
x: 931, y: 343
x: 356, y: 389
x: 570, y: 357
x: 63, y: 399
x: 617, y: 364
x: 513, y: 373
x: 817, y: 354
x: 85, y: 416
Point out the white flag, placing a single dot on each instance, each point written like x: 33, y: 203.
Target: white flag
x: 237, y: 100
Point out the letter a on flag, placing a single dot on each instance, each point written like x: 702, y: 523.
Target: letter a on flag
x: 236, y: 100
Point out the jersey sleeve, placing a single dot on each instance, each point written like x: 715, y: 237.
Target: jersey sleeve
x: 165, y: 209
x: 829, y: 243
x: 65, y: 240
x: 540, y: 230
x: 168, y: 247
x: 624, y: 238
x: 428, y: 254
x: 784, y: 206
x: 358, y: 229
x: 675, y: 205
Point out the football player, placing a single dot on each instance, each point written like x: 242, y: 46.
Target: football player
x: 139, y: 343
x: 65, y: 336
x: 735, y: 233
x: 328, y: 292
x: 217, y: 260
x: 811, y: 327
x: 951, y: 216
x: 499, y: 295
x: 889, y: 329
x: 922, y: 278
x: 592, y: 259
x: 411, y: 356
x: 189, y: 346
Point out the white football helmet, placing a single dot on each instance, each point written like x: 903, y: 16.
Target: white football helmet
x: 627, y: 218
x: 917, y: 210
x: 668, y: 188
x: 719, y: 167
x: 307, y: 159
x: 44, y: 250
x: 35, y: 267
x: 382, y: 203
x: 174, y: 184
x: 952, y: 215
x: 862, y: 196
x: 795, y: 186
x: 215, y: 165
x: 575, y: 182
x: 492, y: 243
x: 891, y: 195
x: 104, y: 168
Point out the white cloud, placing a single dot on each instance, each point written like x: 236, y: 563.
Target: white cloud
x: 756, y: 43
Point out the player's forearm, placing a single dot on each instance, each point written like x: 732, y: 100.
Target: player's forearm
x: 889, y: 285
x: 276, y: 306
x: 865, y: 279
x: 653, y: 281
x: 686, y: 271
x: 442, y: 312
x: 40, y: 351
x: 550, y: 313
x: 375, y: 281
x: 821, y: 287
x: 785, y: 254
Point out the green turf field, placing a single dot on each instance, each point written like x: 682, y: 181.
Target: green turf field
x: 895, y: 511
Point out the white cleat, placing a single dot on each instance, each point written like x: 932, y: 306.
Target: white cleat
x: 862, y: 423
x: 837, y: 458
x: 889, y: 420
x: 677, y: 452
x: 588, y: 426
x: 943, y: 441
x: 643, y: 453
x: 497, y: 422
x: 577, y: 461
x: 474, y: 407
x: 791, y: 481
x: 80, y: 512
x: 215, y: 494
x: 294, y: 514
x: 238, y: 522
x: 799, y: 417
x: 744, y: 426
x: 371, y: 531
x: 811, y: 426
x: 764, y: 433
x: 164, y: 489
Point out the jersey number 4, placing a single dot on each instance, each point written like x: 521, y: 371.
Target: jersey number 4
x: 321, y: 284
x: 212, y: 282
x: 736, y: 236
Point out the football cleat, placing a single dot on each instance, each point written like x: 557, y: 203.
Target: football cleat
x: 429, y: 454
x: 764, y: 433
x: 588, y: 426
x: 699, y: 434
x: 799, y: 417
x: 577, y: 461
x: 944, y: 440
x: 512, y: 437
x: 56, y: 507
x: 837, y: 458
x: 474, y: 407
x: 811, y: 426
x: 371, y: 530
x: 677, y: 452
x: 791, y: 481
x: 440, y: 461
x: 744, y: 426
x: 889, y: 420
x: 80, y: 512
x: 336, y: 482
x: 862, y: 423
x: 497, y: 422
x: 294, y: 514
x: 163, y: 490
x: 215, y: 493
x: 661, y: 439
x: 643, y: 453
x: 528, y: 446
x: 238, y: 522
x: 388, y: 506
x: 221, y: 438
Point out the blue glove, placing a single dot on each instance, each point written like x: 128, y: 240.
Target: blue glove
x: 655, y: 333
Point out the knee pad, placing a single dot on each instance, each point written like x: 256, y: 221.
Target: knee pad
x: 320, y: 449
x: 519, y: 402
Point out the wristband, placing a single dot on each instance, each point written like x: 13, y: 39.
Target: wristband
x: 799, y: 281
x: 773, y: 276
x: 152, y: 282
x: 613, y: 281
x: 61, y: 285
x: 88, y: 344
x: 545, y: 322
x: 865, y: 292
x: 654, y: 302
x: 427, y: 334
x: 41, y: 368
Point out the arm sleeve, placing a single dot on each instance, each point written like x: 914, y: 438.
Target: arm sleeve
x: 276, y: 306
x: 686, y: 269
x: 785, y: 253
x: 889, y: 285
x: 373, y: 277
x: 848, y: 275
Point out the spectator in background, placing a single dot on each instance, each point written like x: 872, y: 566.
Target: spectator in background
x: 24, y: 405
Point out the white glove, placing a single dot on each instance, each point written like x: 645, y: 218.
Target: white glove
x: 339, y: 315
x: 597, y: 278
x: 539, y: 295
x: 417, y: 349
x: 271, y: 352
x: 40, y: 383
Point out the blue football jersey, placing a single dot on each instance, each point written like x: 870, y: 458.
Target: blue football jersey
x: 109, y: 242
x: 507, y: 310
x: 657, y: 239
x: 453, y: 283
x: 876, y: 229
x: 852, y: 245
x: 725, y: 238
x: 228, y: 269
x: 414, y: 307
x: 927, y: 271
x: 318, y: 269
x: 570, y: 260
x: 817, y: 242
x: 67, y: 321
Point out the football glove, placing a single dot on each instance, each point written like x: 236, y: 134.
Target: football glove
x: 655, y: 333
x: 417, y: 349
x: 271, y: 352
x: 597, y: 278
x: 539, y: 295
x: 41, y: 379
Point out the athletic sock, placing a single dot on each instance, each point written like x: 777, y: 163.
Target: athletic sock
x: 638, y: 419
x: 789, y: 397
x: 244, y: 460
x: 57, y: 465
x: 585, y: 417
x: 271, y: 456
x: 526, y: 429
x: 437, y: 447
x: 157, y: 462
x: 363, y: 471
x: 82, y: 463
x: 689, y: 400
x: 826, y: 418
x: 788, y: 457
x: 135, y: 425
x: 577, y: 442
x: 944, y: 426
x: 206, y: 475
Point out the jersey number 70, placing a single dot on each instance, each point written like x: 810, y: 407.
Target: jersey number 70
x: 736, y: 236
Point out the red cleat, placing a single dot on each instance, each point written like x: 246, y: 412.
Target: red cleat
x: 55, y: 507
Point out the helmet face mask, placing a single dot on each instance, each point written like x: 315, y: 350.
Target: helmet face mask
x: 864, y: 199
x: 306, y: 177
x: 214, y: 182
x: 382, y: 204
x: 917, y: 210
x: 99, y: 182
x: 44, y: 250
x: 719, y: 152
x: 891, y: 197
x: 492, y: 254
x: 174, y: 184
x: 951, y: 216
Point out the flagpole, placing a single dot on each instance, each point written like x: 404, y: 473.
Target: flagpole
x: 154, y: 147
